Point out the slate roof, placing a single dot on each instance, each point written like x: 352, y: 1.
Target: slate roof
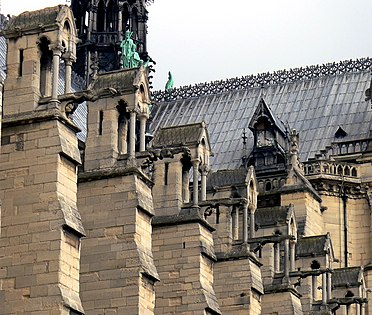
x: 179, y: 135
x: 346, y: 277
x: 315, y: 101
x: 265, y: 217
x: 223, y: 178
x: 33, y: 19
x: 312, y: 246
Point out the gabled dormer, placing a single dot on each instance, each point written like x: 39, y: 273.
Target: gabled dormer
x: 189, y: 147
x: 270, y: 140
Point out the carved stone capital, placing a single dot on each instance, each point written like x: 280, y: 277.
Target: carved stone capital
x: 57, y: 49
x: 204, y: 169
x: 69, y: 58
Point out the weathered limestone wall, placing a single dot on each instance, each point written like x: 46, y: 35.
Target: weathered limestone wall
x: 117, y: 270
x: 307, y: 211
x: 238, y: 286
x: 283, y: 303
x: 22, y: 93
x: 184, y: 256
x: 167, y: 190
x: 333, y: 223
x: 40, y: 225
x: 102, y: 149
x: 359, y: 229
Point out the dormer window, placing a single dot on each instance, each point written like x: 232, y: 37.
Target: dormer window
x: 265, y: 138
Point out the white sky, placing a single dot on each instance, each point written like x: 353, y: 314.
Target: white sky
x: 207, y: 40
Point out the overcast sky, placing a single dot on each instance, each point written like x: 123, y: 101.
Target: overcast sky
x: 207, y: 40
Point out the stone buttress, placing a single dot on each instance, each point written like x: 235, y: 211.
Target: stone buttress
x: 40, y: 223
x: 182, y: 238
x: 117, y: 269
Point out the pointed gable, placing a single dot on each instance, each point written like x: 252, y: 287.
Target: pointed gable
x: 185, y: 135
x: 264, y: 112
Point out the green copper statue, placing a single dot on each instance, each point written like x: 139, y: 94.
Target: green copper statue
x: 170, y: 82
x: 129, y: 54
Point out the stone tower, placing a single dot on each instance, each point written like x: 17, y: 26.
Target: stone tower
x: 40, y: 225
x: 115, y: 201
x: 101, y: 26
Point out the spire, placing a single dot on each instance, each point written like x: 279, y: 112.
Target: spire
x: 102, y: 26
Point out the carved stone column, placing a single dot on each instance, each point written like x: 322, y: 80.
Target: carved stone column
x: 120, y: 22
x: 251, y: 210
x: 277, y: 257
x: 362, y: 309
x: 68, y: 59
x: 314, y: 286
x: 324, y: 288
x: 185, y: 186
x: 195, y: 166
x: 204, y: 170
x: 57, y: 53
x: 357, y: 308
x: 245, y: 223
x: 329, y: 285
x: 122, y: 135
x: 286, y: 258
x: 142, y: 136
x: 132, y: 134
x: 292, y: 255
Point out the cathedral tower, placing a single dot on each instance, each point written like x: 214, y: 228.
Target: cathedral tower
x: 101, y: 27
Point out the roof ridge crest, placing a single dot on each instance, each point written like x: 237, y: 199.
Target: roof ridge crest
x: 263, y: 79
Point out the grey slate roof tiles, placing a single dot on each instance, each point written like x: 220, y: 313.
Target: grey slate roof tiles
x: 178, y: 135
x: 315, y: 106
x: 223, y: 178
x: 30, y: 19
x: 311, y: 246
x: 272, y: 216
x: 346, y: 277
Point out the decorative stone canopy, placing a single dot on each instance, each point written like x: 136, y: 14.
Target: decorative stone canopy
x: 48, y: 19
x: 186, y: 135
x: 314, y: 246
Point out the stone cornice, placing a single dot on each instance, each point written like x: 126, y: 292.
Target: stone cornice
x: 186, y: 216
x: 36, y: 117
x: 112, y: 172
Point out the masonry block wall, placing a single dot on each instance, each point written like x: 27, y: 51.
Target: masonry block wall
x: 41, y: 228
x: 238, y: 285
x: 184, y: 256
x: 117, y: 271
x: 307, y: 210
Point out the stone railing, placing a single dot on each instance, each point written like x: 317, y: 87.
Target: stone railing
x: 330, y: 168
x: 349, y: 147
x: 104, y: 37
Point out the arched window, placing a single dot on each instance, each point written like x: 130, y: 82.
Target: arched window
x: 354, y: 172
x: 125, y: 18
x: 122, y: 128
x: 111, y: 17
x: 101, y: 16
x: 46, y: 58
x: 134, y: 24
x: 268, y: 186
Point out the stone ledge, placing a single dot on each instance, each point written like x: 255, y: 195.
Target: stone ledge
x: 186, y: 216
x: 112, y: 172
x: 279, y: 288
x: 238, y: 252
x: 38, y: 116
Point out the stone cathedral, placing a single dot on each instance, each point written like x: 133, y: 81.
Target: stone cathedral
x: 250, y: 195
